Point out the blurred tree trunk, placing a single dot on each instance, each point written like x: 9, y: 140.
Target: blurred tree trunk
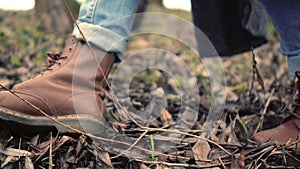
x: 54, y: 15
x: 160, y: 2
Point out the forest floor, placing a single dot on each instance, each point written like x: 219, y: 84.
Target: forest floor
x: 22, y: 54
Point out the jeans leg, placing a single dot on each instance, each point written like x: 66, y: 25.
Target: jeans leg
x: 285, y: 17
x: 106, y: 23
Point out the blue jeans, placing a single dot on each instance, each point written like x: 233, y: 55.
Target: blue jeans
x: 106, y: 23
x: 285, y: 15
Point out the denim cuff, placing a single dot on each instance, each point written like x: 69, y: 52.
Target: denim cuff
x: 101, y: 37
x: 294, y: 64
x: 288, y: 53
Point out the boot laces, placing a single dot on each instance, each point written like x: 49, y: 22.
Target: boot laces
x: 54, y: 58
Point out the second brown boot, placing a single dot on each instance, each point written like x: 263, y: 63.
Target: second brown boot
x: 287, y: 132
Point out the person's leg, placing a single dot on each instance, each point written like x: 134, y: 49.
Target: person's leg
x: 69, y: 89
x: 285, y: 17
x: 106, y: 24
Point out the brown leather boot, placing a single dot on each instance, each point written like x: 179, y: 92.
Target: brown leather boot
x: 69, y: 90
x: 289, y: 131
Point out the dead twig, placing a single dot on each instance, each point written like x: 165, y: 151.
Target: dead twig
x: 182, y: 164
x: 293, y: 157
x: 142, y: 135
x: 50, y: 152
x: 222, y: 163
x: 264, y: 111
x: 256, y: 74
x: 187, y: 134
x: 261, y: 154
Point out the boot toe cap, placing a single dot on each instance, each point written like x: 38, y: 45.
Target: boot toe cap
x: 282, y: 134
x: 13, y: 102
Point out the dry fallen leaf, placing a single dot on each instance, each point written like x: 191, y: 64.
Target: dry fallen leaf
x: 234, y: 163
x: 63, y: 140
x: 201, y: 150
x: 241, y: 129
x: 166, y: 117
x: 242, y: 158
x: 8, y: 160
x: 100, y: 154
x: 143, y: 166
x: 14, y: 152
x: 28, y: 163
x: 238, y: 163
x: 34, y: 140
x: 104, y: 157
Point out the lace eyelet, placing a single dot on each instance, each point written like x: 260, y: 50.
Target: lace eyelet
x: 73, y: 40
x: 70, y: 49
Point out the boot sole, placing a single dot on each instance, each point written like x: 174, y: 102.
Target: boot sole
x: 88, y: 124
x: 84, y: 123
